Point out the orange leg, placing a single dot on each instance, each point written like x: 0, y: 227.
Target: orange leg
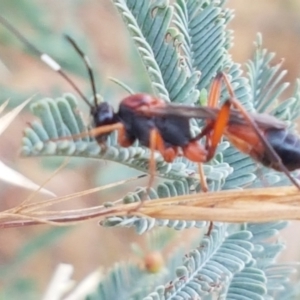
x: 215, y: 91
x: 219, y: 127
x: 214, y: 130
x: 168, y: 153
x: 123, y: 139
x: 193, y: 151
x: 196, y: 153
x: 228, y: 84
x: 155, y: 143
x: 94, y: 132
x: 203, y: 181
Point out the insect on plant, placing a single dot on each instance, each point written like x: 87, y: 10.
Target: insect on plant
x: 169, y: 135
x: 165, y: 128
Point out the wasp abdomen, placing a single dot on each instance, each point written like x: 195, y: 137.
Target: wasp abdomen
x: 286, y: 145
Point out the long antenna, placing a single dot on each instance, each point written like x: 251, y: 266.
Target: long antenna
x: 87, y: 64
x: 45, y: 58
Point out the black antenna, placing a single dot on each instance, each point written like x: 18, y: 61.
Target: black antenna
x: 45, y: 58
x: 87, y: 64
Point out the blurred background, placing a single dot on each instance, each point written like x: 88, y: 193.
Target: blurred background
x: 28, y: 256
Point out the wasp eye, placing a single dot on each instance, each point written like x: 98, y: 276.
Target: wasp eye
x: 103, y: 115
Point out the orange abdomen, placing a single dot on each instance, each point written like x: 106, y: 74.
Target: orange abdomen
x: 245, y: 140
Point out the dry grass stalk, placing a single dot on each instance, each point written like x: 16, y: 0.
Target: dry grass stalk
x: 254, y: 205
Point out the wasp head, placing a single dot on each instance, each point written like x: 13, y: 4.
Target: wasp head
x: 103, y: 114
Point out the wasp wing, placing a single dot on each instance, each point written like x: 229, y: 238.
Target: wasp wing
x: 266, y: 121
x: 181, y: 110
x: 200, y: 112
x: 263, y: 121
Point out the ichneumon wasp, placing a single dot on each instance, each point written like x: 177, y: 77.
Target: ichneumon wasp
x: 165, y: 128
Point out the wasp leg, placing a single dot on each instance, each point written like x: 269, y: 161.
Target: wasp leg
x: 228, y: 84
x: 219, y: 127
x: 196, y: 153
x: 169, y: 153
x: 155, y: 143
x: 214, y: 129
x: 94, y: 132
x: 123, y: 139
x: 210, y: 228
x: 203, y: 181
x: 215, y: 91
x: 104, y: 129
